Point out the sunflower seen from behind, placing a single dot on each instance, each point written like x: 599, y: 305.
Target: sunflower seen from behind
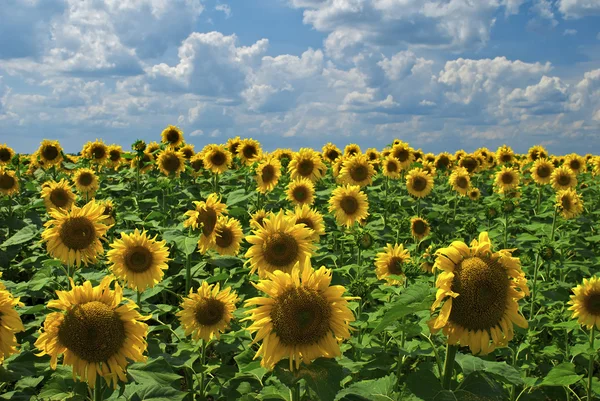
x: 267, y: 175
x: 96, y: 333
x: 585, y: 303
x: 10, y: 323
x: 301, y: 192
x: 392, y: 262
x: 57, y: 195
x: 357, y: 170
x: 302, y: 316
x: 172, y: 136
x: 86, y: 182
x: 419, y: 183
x: 349, y: 205
x: 569, y: 203
x: 311, y: 218
x: 171, y: 162
x: 9, y: 184
x: 228, y: 237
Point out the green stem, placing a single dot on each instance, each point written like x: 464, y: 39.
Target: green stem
x: 188, y: 273
x: 534, y: 288
x: 591, y: 365
x: 553, y: 224
x: 203, y: 374
x: 418, y: 207
x: 449, y: 366
x: 139, y: 299
x: 296, y: 395
x: 505, y: 230
x: 539, y: 200
x: 98, y: 389
x: 455, y: 204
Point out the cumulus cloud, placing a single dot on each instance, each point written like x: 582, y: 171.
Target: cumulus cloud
x: 579, y: 8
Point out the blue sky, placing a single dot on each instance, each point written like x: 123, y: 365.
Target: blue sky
x: 440, y: 74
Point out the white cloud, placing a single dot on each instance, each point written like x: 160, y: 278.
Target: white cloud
x: 579, y: 8
x: 224, y: 8
x: 549, y: 96
x: 403, y: 64
x: 570, y: 32
x: 197, y: 132
x: 543, y: 9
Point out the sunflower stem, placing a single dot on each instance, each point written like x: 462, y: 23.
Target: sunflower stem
x: 553, y: 224
x: 505, y: 230
x: 449, y: 366
x: 418, y: 207
x: 188, y: 273
x: 296, y: 395
x: 591, y: 365
x: 98, y: 389
x: 455, y: 204
x: 203, y: 362
x: 139, y: 299
x: 539, y: 200
x: 534, y: 288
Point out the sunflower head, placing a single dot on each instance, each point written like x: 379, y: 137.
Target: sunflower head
x: 108, y: 211
x: 470, y: 163
x: 115, y: 156
x: 357, y: 170
x: 301, y: 192
x: 349, y: 204
x: 205, y: 217
x: 216, y: 158
x: 229, y: 236
x: 569, y: 202
x: 352, y: 149
x: 505, y: 155
x: 460, y: 180
x: 391, y: 167
x: 536, y: 152
x: 419, y: 228
x: 58, y: 195
x: 197, y: 164
x: 268, y: 173
x: 249, y: 151
x: 404, y: 154
x: 6, y: 155
x: 576, y: 163
x: 307, y: 164
x: 257, y: 219
x: 86, y: 181
x: 96, y: 152
x: 172, y: 136
x: 50, y: 153
x: 10, y: 323
x: 312, y: 219
x: 187, y: 151
x: 392, y: 262
x: 443, y: 161
x: 563, y: 178
x: 171, y: 162
x: 9, y: 183
x: 331, y: 152
x: 419, y: 183
x: 507, y: 179
x: 585, y: 303
x: 474, y: 194
x: 541, y: 171
x: 233, y: 145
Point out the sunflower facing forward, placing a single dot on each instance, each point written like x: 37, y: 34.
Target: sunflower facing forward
x: 6, y: 154
x: 563, y: 178
x: 419, y: 183
x: 301, y: 192
x: 357, y: 170
x: 480, y: 290
x: 268, y: 173
x: 541, y: 171
x: 391, y: 167
x: 312, y: 219
x: 172, y: 136
x: 10, y: 323
x: 115, y: 156
x: 460, y: 180
x: 585, y: 303
x: 507, y: 179
x: 249, y: 151
x: 96, y: 334
x: 308, y: 164
x: 216, y: 158
x: 9, y: 184
x: 50, y: 153
x: 57, y: 195
x: 229, y: 236
x: 303, y: 317
x: 349, y: 204
x: 331, y: 152
x: 171, y: 162
x: 207, y: 312
x: 419, y: 228
x: 96, y: 152
x: 569, y: 203
x: 86, y: 182
x: 390, y: 262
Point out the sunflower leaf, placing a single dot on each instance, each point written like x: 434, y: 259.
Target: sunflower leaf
x: 376, y: 390
x: 21, y: 236
x: 156, y: 371
x: 500, y: 370
x: 416, y: 298
x: 561, y: 375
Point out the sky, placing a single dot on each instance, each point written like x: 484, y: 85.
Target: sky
x: 441, y: 75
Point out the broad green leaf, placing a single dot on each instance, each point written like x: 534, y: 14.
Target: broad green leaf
x: 23, y: 235
x: 561, y: 375
x: 157, y: 371
x: 416, y: 298
x: 155, y: 392
x: 500, y: 370
x: 373, y: 390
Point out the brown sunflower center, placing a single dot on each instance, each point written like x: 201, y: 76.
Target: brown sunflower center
x: 281, y: 249
x: 592, y: 303
x: 249, y: 151
x: 93, y: 331
x: 138, y: 258
x: 507, y: 178
x: 333, y: 154
x: 401, y: 154
x: 7, y: 181
x: 543, y: 171
x: 233, y: 147
x: 462, y: 182
x: 575, y: 165
x: 482, y: 286
x: 301, y: 316
x: 224, y: 237
x: 349, y: 204
x: 564, y: 179
x: 306, y: 221
x: 114, y: 155
x: 392, y: 167
x: 359, y: 172
x: 352, y: 151
x: 197, y: 164
x: 86, y: 179
x: 442, y: 162
x: 171, y: 163
x: 395, y: 265
x: 4, y: 155
x: 173, y: 136
x: 419, y: 183
x: 260, y: 220
x: 218, y: 158
x: 208, y: 219
x: 50, y: 152
x: 98, y: 152
x: 533, y: 155
x: 469, y: 163
x: 305, y: 167
x: 209, y: 311
x: 566, y: 203
x: 268, y: 174
x: 59, y: 197
x: 187, y: 152
x: 77, y: 233
x: 300, y: 193
x: 419, y: 227
x: 505, y: 157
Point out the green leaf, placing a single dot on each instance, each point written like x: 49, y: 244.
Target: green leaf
x: 323, y: 376
x: 21, y: 236
x: 224, y: 261
x: 481, y: 384
x: 250, y: 367
x: 155, y: 392
x: 59, y: 388
x: 561, y: 375
x: 416, y: 298
x: 500, y: 370
x: 157, y: 371
x: 374, y: 390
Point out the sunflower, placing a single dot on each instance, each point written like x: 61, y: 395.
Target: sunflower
x: 229, y: 236
x: 585, y: 304
x: 233, y: 144
x: 303, y: 318
x: 459, y: 154
x: 391, y: 262
x: 569, y: 203
x: 372, y: 155
x: 419, y: 228
x: 505, y: 155
x: 187, y: 151
x: 94, y: 332
x: 541, y: 171
x: 171, y: 162
x: 96, y: 151
x: 204, y: 217
x: 279, y: 245
x: 596, y: 165
x: 563, y: 178
x: 216, y: 158
x: 403, y: 153
x: 73, y: 236
x: 145, y: 163
x: 108, y: 210
x: 349, y: 204
x: 197, y: 164
x: 352, y: 149
x: 301, y: 192
x: 460, y: 180
x: 268, y: 173
x: 418, y: 183
x: 152, y: 147
x: 308, y: 164
x: 417, y: 155
x: 138, y: 260
x: 470, y: 163
x: 481, y: 290
x: 576, y: 163
x: 172, y: 136
x: 474, y: 194
x: 331, y: 152
x: 57, y: 195
x: 206, y: 313
x: 429, y: 158
x: 9, y: 184
x: 429, y: 168
x: 50, y: 153
x: 6, y: 155
x: 249, y: 151
x: 10, y: 323
x: 507, y: 179
x: 284, y: 155
x: 312, y: 219
x: 115, y: 156
x: 257, y: 219
x: 536, y: 152
x: 86, y: 182
x: 357, y: 170
x: 391, y: 167
x: 443, y: 161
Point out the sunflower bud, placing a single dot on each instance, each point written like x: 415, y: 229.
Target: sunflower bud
x: 139, y: 145
x: 359, y: 288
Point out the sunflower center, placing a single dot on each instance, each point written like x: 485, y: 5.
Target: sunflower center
x: 138, y: 258
x: 349, y: 204
x: 333, y: 154
x: 305, y: 167
x: 209, y: 311
x: 4, y: 155
x: 171, y: 163
x: 565, y: 202
x: 419, y: 184
x: 114, y: 155
x: 86, y: 179
x: 59, y: 197
x: 249, y: 151
x: 306, y: 221
x: 187, y: 153
x: 564, y: 179
x: 98, y: 152
x: 300, y: 193
x: 395, y: 265
x: 543, y: 171
x: 197, y: 165
x: 280, y: 249
x: 268, y: 174
x: 50, y: 152
x: 402, y: 154
x: 506, y: 157
x: 224, y: 238
x: 534, y: 155
x: 301, y: 316
x: 482, y: 285
x: 218, y: 158
x: 419, y: 227
x: 208, y: 219
x: 6, y: 181
x: 77, y: 233
x: 392, y: 167
x: 233, y: 147
x: 352, y: 151
x: 592, y: 304
x: 93, y: 331
x: 469, y: 163
x: 359, y: 172
x: 462, y: 182
x: 260, y: 220
x: 507, y: 178
x: 443, y: 162
x: 575, y: 165
x: 173, y: 136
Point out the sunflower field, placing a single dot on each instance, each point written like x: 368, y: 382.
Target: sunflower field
x: 166, y: 272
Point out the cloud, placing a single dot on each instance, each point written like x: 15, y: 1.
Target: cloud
x: 543, y: 10
x: 224, y: 8
x: 572, y: 9
x: 570, y: 32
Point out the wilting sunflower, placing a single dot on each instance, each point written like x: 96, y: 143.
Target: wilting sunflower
x: 171, y: 162
x: 279, y: 245
x: 10, y: 323
x: 505, y: 155
x: 115, y: 156
x: 481, y: 290
x: 312, y: 219
x: 541, y: 171
x: 460, y: 180
x: 187, y: 151
x: 419, y: 228
x: 569, y: 203
x: 576, y: 163
x: 229, y: 236
x: 206, y: 313
x: 96, y: 152
x: 308, y: 164
x: 474, y: 194
x: 352, y: 149
x: 6, y: 154
x: 267, y: 175
x: 9, y: 184
x: 331, y: 152
x: 418, y: 183
x: 172, y: 136
x: 357, y: 170
x: 216, y: 158
x: 585, y: 304
x: 563, y: 178
x: 204, y: 217
x: 391, y: 167
x: 349, y: 204
x: 507, y: 179
x: 404, y: 154
x: 257, y: 219
x: 303, y: 318
x: 536, y: 152
x: 74, y: 235
x: 95, y: 332
x: 249, y: 151
x: 138, y: 260
x: 301, y: 192
x: 443, y: 161
x: 86, y: 182
x: 50, y: 153
x: 58, y: 195
x: 392, y: 262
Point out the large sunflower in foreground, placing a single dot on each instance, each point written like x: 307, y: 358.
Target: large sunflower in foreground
x: 279, y: 245
x: 585, y: 303
x: 96, y: 334
x: 308, y: 164
x: 229, y: 236
x: 268, y: 173
x: 301, y: 192
x: 73, y: 236
x: 541, y: 171
x: 357, y: 170
x: 480, y: 290
x: 86, y: 182
x: 50, y: 153
x: 419, y: 183
x: 507, y: 179
x: 204, y: 217
x: 392, y: 261
x: 171, y: 162
x: 349, y: 204
x: 569, y: 203
x: 563, y: 178
x: 172, y: 136
x: 207, y: 312
x: 216, y: 158
x: 9, y: 184
x: 303, y: 317
x: 460, y: 180
x: 6, y: 154
x: 10, y: 323
x: 312, y: 219
x: 138, y: 260
x: 57, y: 195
